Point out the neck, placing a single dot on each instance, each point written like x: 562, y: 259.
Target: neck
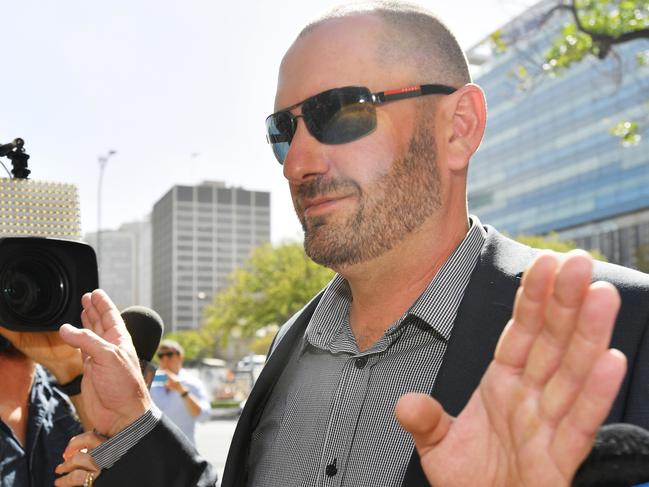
x: 385, y: 287
x: 17, y: 376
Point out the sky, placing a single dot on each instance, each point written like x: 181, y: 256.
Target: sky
x: 178, y: 89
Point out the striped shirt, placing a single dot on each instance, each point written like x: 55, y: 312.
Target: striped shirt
x: 330, y: 418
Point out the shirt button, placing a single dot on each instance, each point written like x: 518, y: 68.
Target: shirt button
x: 360, y: 362
x: 331, y: 469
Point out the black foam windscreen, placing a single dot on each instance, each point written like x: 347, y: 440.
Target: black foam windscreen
x: 146, y: 328
x: 620, y: 457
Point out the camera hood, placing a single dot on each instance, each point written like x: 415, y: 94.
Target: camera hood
x: 42, y: 281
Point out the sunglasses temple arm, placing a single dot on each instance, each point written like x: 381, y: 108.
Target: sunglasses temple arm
x: 411, y: 92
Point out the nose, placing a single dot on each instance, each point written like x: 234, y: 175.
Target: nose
x: 305, y: 157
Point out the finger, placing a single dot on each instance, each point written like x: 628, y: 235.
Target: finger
x: 89, y: 342
x: 527, y: 319
x: 560, y: 317
x: 88, y: 440
x: 92, y: 314
x: 588, y: 343
x: 74, y: 479
x: 79, y: 460
x: 424, y: 418
x: 575, y: 434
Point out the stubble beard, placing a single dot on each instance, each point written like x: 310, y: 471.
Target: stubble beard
x: 387, y: 211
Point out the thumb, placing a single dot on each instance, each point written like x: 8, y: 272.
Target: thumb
x: 424, y: 418
x: 88, y: 341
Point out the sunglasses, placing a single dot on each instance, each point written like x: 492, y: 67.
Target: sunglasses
x: 339, y: 115
x: 166, y: 354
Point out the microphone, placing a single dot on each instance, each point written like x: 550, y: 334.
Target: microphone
x: 145, y: 327
x: 620, y: 457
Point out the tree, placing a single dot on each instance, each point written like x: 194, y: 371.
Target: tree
x: 196, y: 343
x: 552, y: 242
x: 273, y: 285
x: 642, y: 257
x: 594, y: 29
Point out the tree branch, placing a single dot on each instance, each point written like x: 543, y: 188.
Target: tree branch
x: 604, y: 41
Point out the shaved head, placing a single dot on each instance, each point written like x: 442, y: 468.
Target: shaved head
x: 412, y: 37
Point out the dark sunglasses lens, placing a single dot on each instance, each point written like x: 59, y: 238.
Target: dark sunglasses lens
x: 340, y: 115
x: 279, y: 132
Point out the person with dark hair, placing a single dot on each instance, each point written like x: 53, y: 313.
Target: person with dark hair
x: 442, y: 352
x: 178, y: 394
x: 38, y: 416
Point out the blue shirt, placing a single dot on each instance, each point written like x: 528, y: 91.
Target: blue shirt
x: 51, y: 423
x: 171, y: 404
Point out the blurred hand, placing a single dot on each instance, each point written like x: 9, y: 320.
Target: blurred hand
x: 173, y: 382
x: 534, y: 416
x: 77, y: 461
x: 48, y: 349
x: 113, y: 390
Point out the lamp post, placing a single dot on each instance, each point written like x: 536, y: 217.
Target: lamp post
x: 103, y: 160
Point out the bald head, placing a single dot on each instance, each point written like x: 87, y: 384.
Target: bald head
x: 410, y: 37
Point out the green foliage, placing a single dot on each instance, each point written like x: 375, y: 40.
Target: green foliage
x: 571, y: 47
x: 627, y: 132
x: 606, y: 19
x: 261, y: 344
x: 274, y: 284
x: 552, y: 242
x: 642, y: 258
x: 197, y: 343
x: 499, y: 45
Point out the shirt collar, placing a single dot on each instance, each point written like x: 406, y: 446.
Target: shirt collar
x: 437, y: 305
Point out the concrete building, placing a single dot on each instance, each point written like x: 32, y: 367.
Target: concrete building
x: 117, y: 265
x: 548, y: 161
x: 125, y: 267
x: 200, y: 235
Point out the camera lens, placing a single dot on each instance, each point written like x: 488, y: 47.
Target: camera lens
x: 33, y: 288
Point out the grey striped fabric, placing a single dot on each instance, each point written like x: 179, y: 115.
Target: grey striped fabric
x: 330, y: 419
x: 106, y: 454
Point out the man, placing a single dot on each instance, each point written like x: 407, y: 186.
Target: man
x: 37, y: 419
x: 376, y: 121
x: 177, y: 393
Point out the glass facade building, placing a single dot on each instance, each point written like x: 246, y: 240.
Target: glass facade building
x: 548, y: 161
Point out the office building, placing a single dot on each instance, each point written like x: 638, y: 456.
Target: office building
x: 117, y: 265
x: 125, y: 263
x: 200, y: 235
x: 548, y: 161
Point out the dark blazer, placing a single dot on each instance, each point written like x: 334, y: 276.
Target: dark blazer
x: 483, y: 313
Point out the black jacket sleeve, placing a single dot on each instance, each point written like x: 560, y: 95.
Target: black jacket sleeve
x: 163, y: 458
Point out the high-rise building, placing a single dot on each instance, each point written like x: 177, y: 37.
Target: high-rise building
x: 548, y: 161
x: 118, y: 269
x: 200, y: 235
x: 125, y: 268
x: 141, y: 231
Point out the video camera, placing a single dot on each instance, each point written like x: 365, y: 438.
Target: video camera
x: 44, y: 268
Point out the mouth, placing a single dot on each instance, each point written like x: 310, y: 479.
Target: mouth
x: 321, y: 205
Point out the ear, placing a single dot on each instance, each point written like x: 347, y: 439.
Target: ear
x: 465, y: 118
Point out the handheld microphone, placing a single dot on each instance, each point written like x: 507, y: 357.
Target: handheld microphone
x: 145, y: 327
x: 620, y: 457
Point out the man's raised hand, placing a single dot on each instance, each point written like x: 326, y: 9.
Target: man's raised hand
x: 552, y: 381
x: 113, y: 389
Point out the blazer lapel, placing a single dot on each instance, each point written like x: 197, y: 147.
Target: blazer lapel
x: 482, y: 315
x: 235, y: 467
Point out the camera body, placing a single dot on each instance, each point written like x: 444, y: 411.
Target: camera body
x: 42, y: 280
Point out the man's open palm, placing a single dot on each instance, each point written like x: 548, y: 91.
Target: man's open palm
x: 532, y: 420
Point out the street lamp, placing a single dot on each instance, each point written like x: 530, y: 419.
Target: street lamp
x: 103, y: 160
